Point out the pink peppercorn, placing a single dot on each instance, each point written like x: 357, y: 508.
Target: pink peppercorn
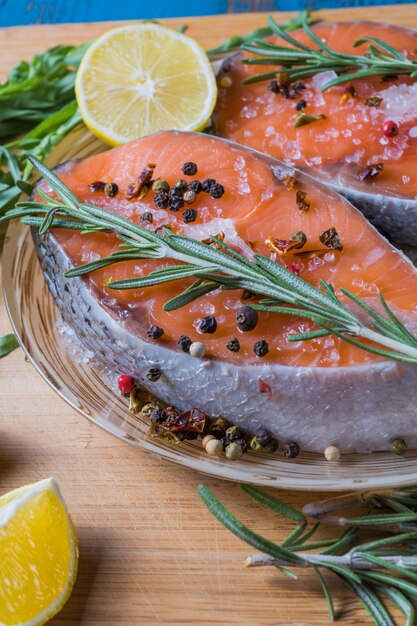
x: 125, y: 383
x: 294, y: 268
x: 390, y: 128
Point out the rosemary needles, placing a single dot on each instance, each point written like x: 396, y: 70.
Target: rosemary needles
x: 377, y: 570
x: 279, y: 290
x: 299, y: 60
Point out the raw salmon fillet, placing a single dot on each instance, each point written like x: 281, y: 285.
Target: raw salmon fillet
x: 339, y: 148
x: 319, y: 391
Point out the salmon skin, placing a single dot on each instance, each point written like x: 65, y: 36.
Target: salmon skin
x: 316, y: 392
x: 340, y: 148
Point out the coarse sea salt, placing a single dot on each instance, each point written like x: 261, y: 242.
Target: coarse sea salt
x: 413, y: 131
x: 399, y: 102
x: 319, y: 80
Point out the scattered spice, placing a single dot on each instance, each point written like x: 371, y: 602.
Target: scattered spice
x: 176, y: 204
x: 331, y: 239
x: 389, y: 77
x: 332, y: 453
x: 216, y: 190
x: 398, y: 446
x: 303, y: 119
x: 264, y: 388
x: 283, y: 86
x: 291, y: 450
x: 207, y: 184
x: 198, y: 349
x: 294, y: 268
x: 184, y: 343
x: 147, y: 216
x: 214, y: 447
x: 195, y: 186
x: 158, y: 416
x: 390, y: 128
x: 208, y: 325
x: 371, y: 171
x: 154, y: 374
x: 125, y: 383
x: 246, y: 318
x: 233, y: 345
x: 243, y: 443
x: 160, y: 185
x: 271, y: 446
x: 246, y: 295
x: 301, y: 105
x: 302, y: 201
x: 140, y: 188
x: 255, y: 445
x: 189, y: 168
x: 288, y: 181
x: 161, y: 199
x: 348, y: 93
x: 155, y: 332
x: 206, y: 439
x: 261, y: 348
x: 283, y: 246
x: 189, y: 215
x: 226, y: 81
x: 181, y: 184
x: 374, y: 101
x: 194, y: 421
x: 98, y: 185
x: 233, y: 451
x: 111, y: 190
x: 190, y: 196
x: 263, y: 435
x: 233, y: 433
x: 219, y: 427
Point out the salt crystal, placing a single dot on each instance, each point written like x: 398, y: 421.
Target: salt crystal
x: 247, y: 133
x: 357, y: 141
x: 248, y: 112
x: 243, y: 187
x: 315, y: 262
x: 270, y: 131
x: 406, y: 180
x: 239, y: 163
x: 399, y: 102
x: 322, y: 78
x: 383, y: 141
x: 316, y: 161
x: 347, y: 133
x: 413, y: 131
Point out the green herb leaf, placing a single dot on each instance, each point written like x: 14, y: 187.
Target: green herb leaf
x: 8, y: 343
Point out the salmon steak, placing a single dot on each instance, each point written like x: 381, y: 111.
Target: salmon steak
x: 313, y: 392
x: 363, y: 143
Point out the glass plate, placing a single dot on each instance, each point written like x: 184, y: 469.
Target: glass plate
x: 34, y: 318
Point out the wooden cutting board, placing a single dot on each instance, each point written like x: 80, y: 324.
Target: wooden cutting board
x: 150, y: 553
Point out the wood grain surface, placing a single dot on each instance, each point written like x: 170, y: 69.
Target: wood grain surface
x: 150, y: 553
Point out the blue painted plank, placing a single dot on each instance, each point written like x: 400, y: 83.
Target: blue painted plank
x: 14, y: 12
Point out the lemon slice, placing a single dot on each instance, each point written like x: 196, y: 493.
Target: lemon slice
x: 135, y: 80
x: 38, y: 554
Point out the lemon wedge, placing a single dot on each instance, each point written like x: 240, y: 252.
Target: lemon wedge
x: 38, y: 554
x: 137, y: 79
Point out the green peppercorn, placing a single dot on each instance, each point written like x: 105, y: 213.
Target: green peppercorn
x: 233, y: 433
x: 181, y: 184
x: 160, y: 185
x: 219, y: 427
x: 398, y: 446
x: 148, y: 408
x: 233, y: 451
x: 255, y: 445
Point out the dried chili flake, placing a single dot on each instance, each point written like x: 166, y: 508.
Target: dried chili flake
x: 303, y: 119
x: 303, y: 202
x: 374, y: 101
x: 264, y: 388
x: 194, y: 421
x: 283, y: 246
x: 371, y: 171
x: 331, y: 239
x: 294, y: 268
x: 139, y: 188
x: 288, y: 181
x: 209, y: 241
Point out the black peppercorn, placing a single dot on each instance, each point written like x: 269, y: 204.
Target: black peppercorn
x: 243, y: 443
x: 219, y: 427
x: 271, y: 446
x: 161, y: 199
x: 155, y: 332
x: 146, y: 217
x: 208, y: 325
x: 190, y: 435
x: 158, y: 416
x: 246, y: 295
x: 189, y: 168
x: 216, y: 190
x: 195, y: 186
x: 261, y: 348
x: 291, y: 449
x: 263, y: 436
x: 154, y: 374
x: 301, y: 105
x: 246, y: 318
x: 233, y: 345
x: 207, y: 184
x: 184, y: 343
x: 98, y: 185
x: 189, y: 215
x: 175, y: 203
x: 176, y: 192
x: 111, y: 190
x: 225, y: 442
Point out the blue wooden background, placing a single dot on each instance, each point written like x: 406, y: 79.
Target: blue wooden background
x: 14, y: 12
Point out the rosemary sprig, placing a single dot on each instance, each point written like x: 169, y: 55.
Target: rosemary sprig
x: 220, y: 266
x: 384, y: 568
x: 300, y: 61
